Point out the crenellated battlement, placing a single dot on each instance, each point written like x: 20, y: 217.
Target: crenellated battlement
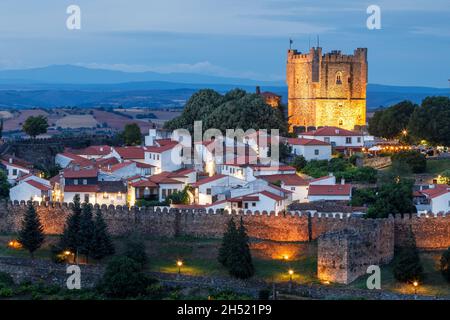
x: 429, y: 231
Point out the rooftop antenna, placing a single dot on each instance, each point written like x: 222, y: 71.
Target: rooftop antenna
x: 318, y: 41
x: 290, y: 43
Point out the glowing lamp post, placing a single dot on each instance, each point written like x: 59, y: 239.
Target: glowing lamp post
x: 179, y: 264
x: 291, y: 273
x: 415, y: 285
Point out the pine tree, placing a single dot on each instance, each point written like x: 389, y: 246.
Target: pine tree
x: 31, y: 235
x: 102, y: 245
x: 228, y: 241
x: 86, y: 234
x: 70, y: 239
x: 241, y: 264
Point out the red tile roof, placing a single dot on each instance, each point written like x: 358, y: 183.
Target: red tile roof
x: 131, y: 152
x: 94, y: 151
x: 306, y: 142
x: 437, y: 191
x: 76, y: 159
x: 330, y: 190
x: 82, y: 173
x: 121, y: 165
x: 288, y: 179
x: 164, y: 147
x: 320, y: 178
x: 38, y: 185
x: 208, y: 180
x: 144, y: 165
x: 274, y: 168
x: 81, y: 188
x: 272, y: 195
x: 332, y: 131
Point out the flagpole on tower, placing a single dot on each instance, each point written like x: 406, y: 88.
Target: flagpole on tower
x: 290, y: 43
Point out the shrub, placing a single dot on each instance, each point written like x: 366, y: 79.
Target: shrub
x: 123, y: 278
x: 135, y: 250
x: 6, y: 292
x: 414, y: 159
x: 264, y: 294
x: 407, y: 265
x: 6, y: 279
x: 445, y: 265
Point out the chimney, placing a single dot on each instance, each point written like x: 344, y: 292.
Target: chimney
x: 10, y: 160
x: 258, y: 90
x: 342, y: 180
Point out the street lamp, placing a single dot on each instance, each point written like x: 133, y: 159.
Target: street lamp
x: 415, y: 284
x: 291, y: 273
x: 179, y: 264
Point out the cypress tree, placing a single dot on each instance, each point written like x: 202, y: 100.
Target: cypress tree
x: 228, y: 241
x: 86, y: 235
x: 70, y: 239
x: 31, y: 235
x: 241, y: 264
x: 102, y: 245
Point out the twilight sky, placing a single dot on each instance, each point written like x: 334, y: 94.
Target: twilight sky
x: 237, y: 38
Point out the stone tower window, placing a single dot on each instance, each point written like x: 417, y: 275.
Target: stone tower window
x: 341, y: 122
x: 339, y: 78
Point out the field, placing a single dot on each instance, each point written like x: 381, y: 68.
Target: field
x: 436, y: 167
x: 76, y: 121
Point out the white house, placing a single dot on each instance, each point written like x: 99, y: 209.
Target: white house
x: 258, y: 201
x: 132, y: 153
x: 165, y: 155
x: 15, y: 168
x: 437, y: 198
x: 291, y: 182
x: 94, y: 152
x: 207, y: 189
x: 310, y: 149
x: 31, y: 188
x: 340, y: 139
x: 65, y: 159
x: 334, y: 192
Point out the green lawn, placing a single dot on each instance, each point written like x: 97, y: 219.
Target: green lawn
x: 433, y: 284
x: 437, y: 166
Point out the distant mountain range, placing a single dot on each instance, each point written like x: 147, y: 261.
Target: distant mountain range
x: 68, y: 85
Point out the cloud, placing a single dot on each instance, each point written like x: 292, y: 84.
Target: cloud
x: 431, y: 31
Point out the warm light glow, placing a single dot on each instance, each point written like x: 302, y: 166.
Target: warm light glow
x: 14, y: 244
x: 415, y: 283
x: 179, y: 263
x: 285, y: 257
x: 291, y: 272
x: 405, y: 132
x: 67, y: 252
x: 326, y: 282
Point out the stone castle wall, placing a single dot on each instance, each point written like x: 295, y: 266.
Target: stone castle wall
x: 429, y: 233
x: 344, y: 255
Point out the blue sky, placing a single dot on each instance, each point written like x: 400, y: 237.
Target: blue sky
x: 245, y: 38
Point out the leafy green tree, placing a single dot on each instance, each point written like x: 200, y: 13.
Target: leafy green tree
x: 179, y: 197
x: 236, y: 109
x: 414, y: 159
x: 102, y: 244
x: 229, y: 238
x: 299, y: 163
x: 35, y: 125
x: 4, y: 185
x: 445, y: 176
x: 70, y: 238
x: 363, y: 197
x: 135, y: 250
x: 132, y: 134
x: 31, y: 234
x: 445, y: 265
x: 390, y: 122
x: 431, y: 121
x: 392, y: 198
x: 123, y: 278
x: 241, y: 264
x: 86, y: 232
x: 407, y: 266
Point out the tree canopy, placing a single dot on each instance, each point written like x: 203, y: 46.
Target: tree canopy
x: 31, y: 235
x: 389, y: 123
x: 132, y: 134
x: 234, y: 110
x: 35, y: 125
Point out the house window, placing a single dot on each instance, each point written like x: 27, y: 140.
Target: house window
x: 246, y: 205
x: 84, y: 181
x: 341, y: 122
x: 86, y: 197
x: 14, y: 172
x: 327, y: 139
x: 75, y: 182
x: 292, y: 188
x: 157, y: 157
x: 119, y: 196
x: 164, y: 193
x: 348, y: 140
x: 253, y: 204
x: 208, y: 191
x: 316, y: 152
x: 358, y: 139
x: 105, y: 195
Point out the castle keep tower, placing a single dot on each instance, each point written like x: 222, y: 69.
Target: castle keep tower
x: 326, y: 90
